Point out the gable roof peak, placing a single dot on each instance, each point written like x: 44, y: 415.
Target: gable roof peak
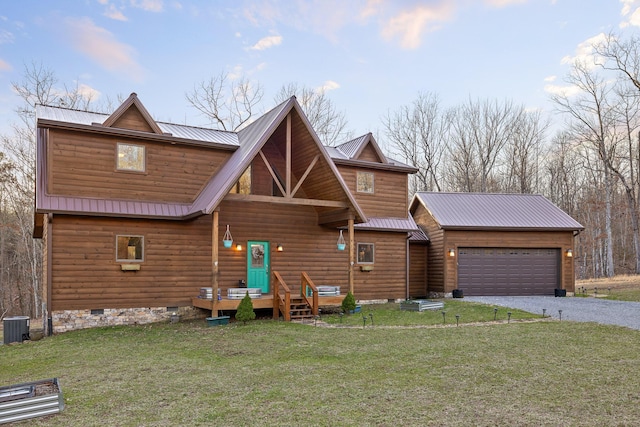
x: 132, y: 102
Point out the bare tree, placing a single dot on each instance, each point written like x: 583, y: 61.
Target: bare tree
x: 480, y: 132
x: 22, y: 255
x: 329, y: 124
x: 593, y: 121
x: 522, y: 152
x: 228, y: 104
x: 621, y: 55
x: 418, y: 133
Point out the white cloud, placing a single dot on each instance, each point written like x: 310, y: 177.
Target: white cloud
x: 550, y: 79
x: 6, y: 37
x: 410, y: 25
x: 327, y: 86
x: 102, y: 47
x: 148, y: 5
x: 267, y: 42
x: 88, y: 93
x: 585, y: 52
x: 503, y: 3
x: 4, y: 65
x: 631, y: 13
x: 558, y: 90
x: 114, y: 13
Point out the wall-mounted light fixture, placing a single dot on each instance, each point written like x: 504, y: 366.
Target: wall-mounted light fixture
x: 238, y: 247
x: 452, y: 252
x: 569, y: 253
x: 279, y: 247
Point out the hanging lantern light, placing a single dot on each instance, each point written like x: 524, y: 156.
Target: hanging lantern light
x: 341, y: 243
x: 227, y: 240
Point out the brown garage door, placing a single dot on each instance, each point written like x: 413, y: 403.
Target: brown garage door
x: 504, y: 271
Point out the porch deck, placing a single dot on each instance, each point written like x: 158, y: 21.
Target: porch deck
x: 265, y: 301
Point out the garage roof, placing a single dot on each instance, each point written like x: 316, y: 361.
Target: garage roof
x: 494, y: 211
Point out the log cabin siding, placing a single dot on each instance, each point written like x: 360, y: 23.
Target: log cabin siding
x: 311, y: 248
x: 388, y: 280
x: 562, y: 240
x: 390, y: 192
x: 435, y: 254
x: 177, y: 262
x: 84, y: 165
x: 418, y: 270
x: 132, y: 119
x: 369, y: 154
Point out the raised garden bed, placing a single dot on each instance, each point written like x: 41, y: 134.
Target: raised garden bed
x: 421, y: 305
x: 30, y: 400
x: 216, y: 321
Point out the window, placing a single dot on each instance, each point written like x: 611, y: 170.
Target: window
x: 365, y: 253
x: 131, y: 157
x: 129, y: 248
x: 243, y: 186
x: 364, y: 182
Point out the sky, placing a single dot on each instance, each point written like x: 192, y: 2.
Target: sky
x: 371, y: 57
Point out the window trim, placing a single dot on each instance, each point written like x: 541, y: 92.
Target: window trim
x: 373, y: 253
x: 373, y: 182
x: 130, y: 260
x: 119, y: 168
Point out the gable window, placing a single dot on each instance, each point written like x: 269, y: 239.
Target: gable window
x: 243, y: 186
x: 365, y: 253
x: 129, y: 248
x: 364, y: 182
x: 131, y: 157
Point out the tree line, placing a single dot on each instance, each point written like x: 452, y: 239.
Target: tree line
x: 589, y: 166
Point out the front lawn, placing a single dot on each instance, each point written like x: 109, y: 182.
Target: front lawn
x: 275, y: 373
x: 391, y: 315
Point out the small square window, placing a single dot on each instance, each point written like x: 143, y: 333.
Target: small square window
x: 364, y: 182
x: 130, y: 248
x: 131, y: 157
x: 365, y: 253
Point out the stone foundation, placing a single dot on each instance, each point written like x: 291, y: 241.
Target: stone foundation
x: 69, y: 320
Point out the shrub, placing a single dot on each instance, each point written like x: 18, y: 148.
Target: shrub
x: 245, y: 310
x: 348, y: 303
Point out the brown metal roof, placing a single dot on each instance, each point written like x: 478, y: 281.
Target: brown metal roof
x: 88, y: 118
x: 388, y: 224
x: 494, y: 211
x: 248, y: 141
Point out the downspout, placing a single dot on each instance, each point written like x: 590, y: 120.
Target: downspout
x: 49, y: 329
x: 406, y: 296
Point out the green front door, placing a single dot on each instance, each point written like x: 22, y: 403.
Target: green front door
x: 258, y: 265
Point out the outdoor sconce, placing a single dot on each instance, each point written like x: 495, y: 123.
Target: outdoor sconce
x: 238, y: 247
x: 569, y: 253
x: 452, y: 252
x: 279, y: 247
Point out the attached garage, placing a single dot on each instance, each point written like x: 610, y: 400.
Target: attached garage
x: 496, y: 244
x: 508, y: 271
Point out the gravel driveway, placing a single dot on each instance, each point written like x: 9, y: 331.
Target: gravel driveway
x: 622, y: 313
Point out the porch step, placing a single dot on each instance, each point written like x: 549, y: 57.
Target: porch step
x: 299, y: 310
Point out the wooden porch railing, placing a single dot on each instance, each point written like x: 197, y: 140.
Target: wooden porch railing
x: 306, y: 281
x: 281, y: 303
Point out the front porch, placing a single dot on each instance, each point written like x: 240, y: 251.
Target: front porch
x: 301, y: 303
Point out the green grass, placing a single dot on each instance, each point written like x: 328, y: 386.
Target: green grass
x: 275, y: 373
x: 391, y: 315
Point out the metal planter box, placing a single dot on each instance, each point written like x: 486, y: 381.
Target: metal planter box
x: 30, y: 400
x: 421, y: 305
x: 220, y: 320
x: 239, y: 293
